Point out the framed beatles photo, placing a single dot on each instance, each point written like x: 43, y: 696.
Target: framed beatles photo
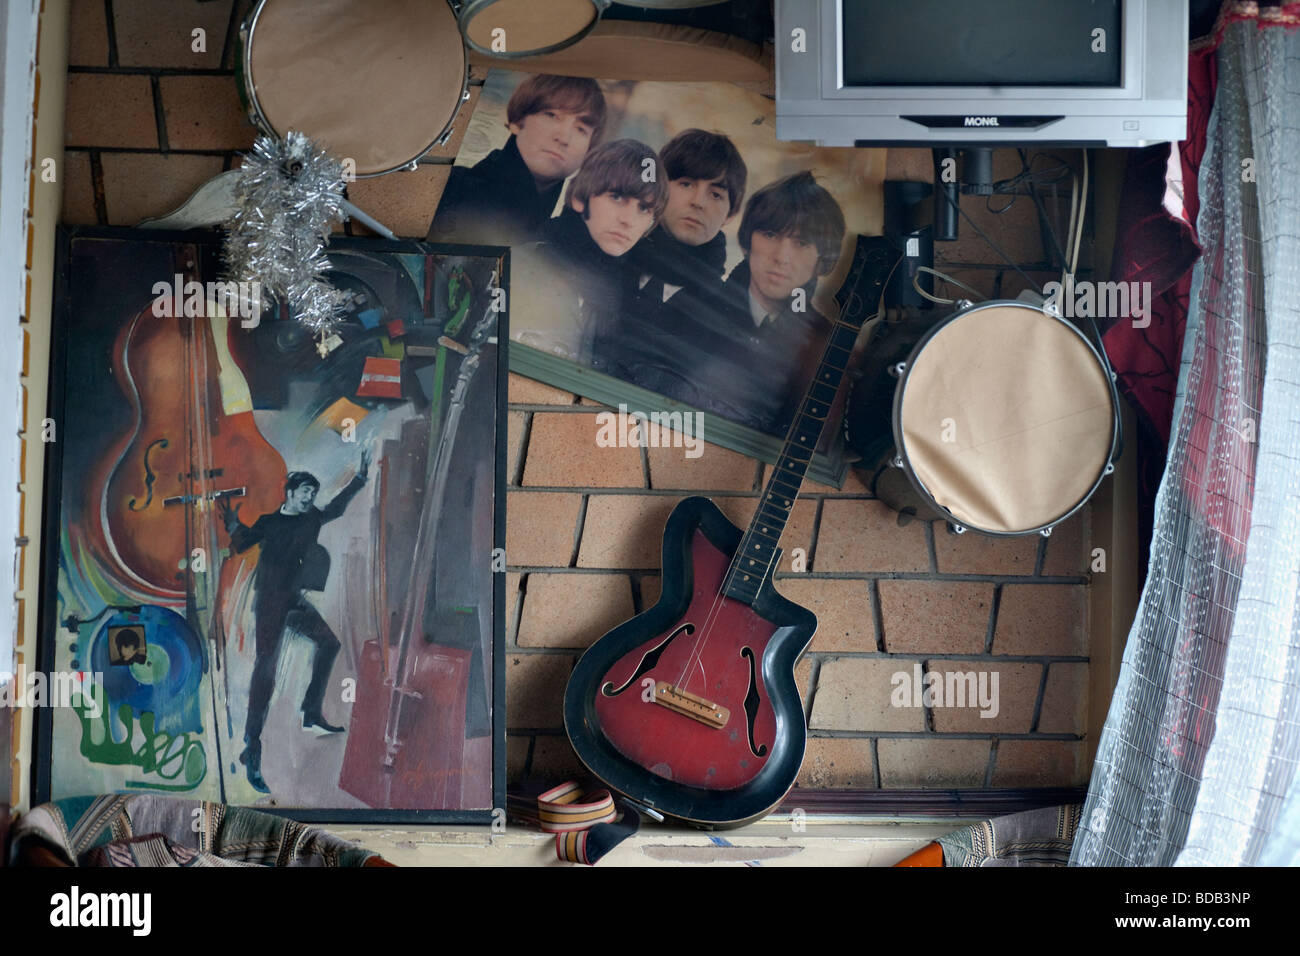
x: 270, y: 562
x: 668, y: 252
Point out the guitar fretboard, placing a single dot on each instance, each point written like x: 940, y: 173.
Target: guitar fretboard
x: 872, y: 260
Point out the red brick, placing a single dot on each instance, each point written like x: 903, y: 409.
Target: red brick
x: 932, y: 762
x: 651, y: 585
x: 716, y: 468
x: 624, y: 531
x: 148, y: 185
x: 513, y: 580
x: 78, y: 190
x: 1065, y: 699
x: 1015, y: 695
x: 403, y: 201
x: 843, y: 763
x: 562, y: 451
x: 535, y: 690
x: 854, y: 694
x: 1040, y: 763
x: 1067, y: 548
x: 843, y: 610
x: 935, y: 617
x: 159, y: 32
x: 516, y: 756
x: 1041, y: 619
x: 573, y: 610
x: 87, y: 34
x: 865, y: 536
x: 203, y: 112
x: 554, y: 760
x: 525, y: 391
x: 803, y: 677
x: 107, y: 110
x: 541, y: 528
x: 975, y: 553
x: 516, y: 426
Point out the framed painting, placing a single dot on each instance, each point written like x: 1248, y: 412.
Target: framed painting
x: 269, y: 574
x: 671, y: 256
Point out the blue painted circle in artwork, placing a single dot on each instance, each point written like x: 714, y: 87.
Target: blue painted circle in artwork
x: 166, y: 683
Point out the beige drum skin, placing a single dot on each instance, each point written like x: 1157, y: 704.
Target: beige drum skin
x: 378, y: 82
x: 1006, y: 418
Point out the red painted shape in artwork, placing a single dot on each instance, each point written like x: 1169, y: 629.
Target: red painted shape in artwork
x: 671, y: 744
x: 428, y: 767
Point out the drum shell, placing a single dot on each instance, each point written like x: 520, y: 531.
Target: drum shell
x: 256, y: 114
x: 473, y: 8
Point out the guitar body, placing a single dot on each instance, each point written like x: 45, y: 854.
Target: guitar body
x: 735, y: 661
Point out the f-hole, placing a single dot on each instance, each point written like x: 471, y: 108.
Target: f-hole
x: 751, y: 703
x: 649, y: 661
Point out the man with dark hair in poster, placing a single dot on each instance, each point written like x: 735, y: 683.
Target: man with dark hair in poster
x: 672, y: 336
x: 612, y: 203
x: 792, y: 233
x: 554, y: 121
x: 291, y: 562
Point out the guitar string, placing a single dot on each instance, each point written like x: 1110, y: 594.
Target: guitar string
x: 737, y: 562
x: 855, y: 275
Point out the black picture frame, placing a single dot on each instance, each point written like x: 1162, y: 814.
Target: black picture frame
x: 200, y: 250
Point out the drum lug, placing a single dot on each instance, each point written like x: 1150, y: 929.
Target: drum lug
x: 897, y: 369
x: 1110, y: 468
x: 956, y: 528
x: 414, y: 164
x: 464, y: 97
x: 1046, y: 532
x: 961, y: 304
x: 896, y: 461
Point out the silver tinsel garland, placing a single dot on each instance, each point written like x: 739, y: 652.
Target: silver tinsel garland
x: 287, y: 194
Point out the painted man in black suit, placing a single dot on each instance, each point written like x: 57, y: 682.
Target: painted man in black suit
x: 291, y: 562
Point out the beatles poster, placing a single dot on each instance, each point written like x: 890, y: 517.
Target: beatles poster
x: 268, y: 558
x: 666, y: 247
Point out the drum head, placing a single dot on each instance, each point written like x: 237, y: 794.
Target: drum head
x: 1005, y: 417
x: 513, y: 28
x: 377, y: 82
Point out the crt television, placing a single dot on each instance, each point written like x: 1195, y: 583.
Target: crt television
x: 981, y: 72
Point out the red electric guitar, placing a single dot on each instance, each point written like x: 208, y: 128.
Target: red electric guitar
x: 691, y: 708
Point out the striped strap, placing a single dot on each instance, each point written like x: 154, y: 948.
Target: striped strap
x: 586, y: 825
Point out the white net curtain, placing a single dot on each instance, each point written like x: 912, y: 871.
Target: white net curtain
x: 1197, y: 761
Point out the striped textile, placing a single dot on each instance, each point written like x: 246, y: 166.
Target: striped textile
x: 586, y: 825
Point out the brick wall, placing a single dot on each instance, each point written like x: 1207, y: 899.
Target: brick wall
x: 149, y: 120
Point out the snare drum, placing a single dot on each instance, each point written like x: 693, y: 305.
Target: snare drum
x: 521, y: 28
x: 378, y: 82
x: 1002, y: 418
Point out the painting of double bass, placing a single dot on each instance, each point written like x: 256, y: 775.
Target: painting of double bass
x: 270, y: 558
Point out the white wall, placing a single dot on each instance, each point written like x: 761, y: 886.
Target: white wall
x: 18, y: 26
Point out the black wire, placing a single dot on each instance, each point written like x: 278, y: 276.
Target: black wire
x: 992, y: 245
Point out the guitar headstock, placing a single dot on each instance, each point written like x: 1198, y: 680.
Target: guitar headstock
x: 874, y: 260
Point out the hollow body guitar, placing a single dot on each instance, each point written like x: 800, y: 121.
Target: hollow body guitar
x: 691, y: 708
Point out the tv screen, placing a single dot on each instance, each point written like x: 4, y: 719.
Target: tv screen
x: 981, y: 43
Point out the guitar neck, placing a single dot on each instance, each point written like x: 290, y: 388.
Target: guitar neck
x: 873, y: 260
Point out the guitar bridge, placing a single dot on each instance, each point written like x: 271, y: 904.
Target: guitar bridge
x: 690, y: 705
